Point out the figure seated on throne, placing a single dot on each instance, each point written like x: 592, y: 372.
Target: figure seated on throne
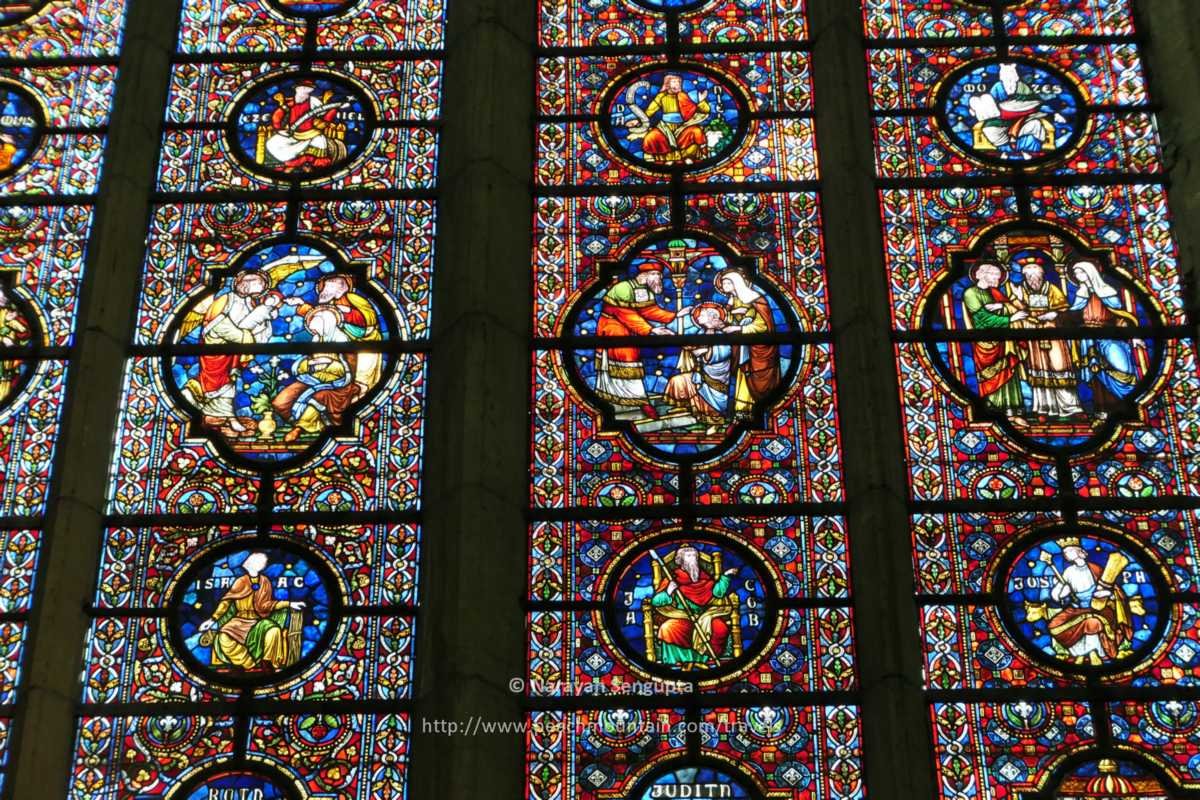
x: 304, y: 130
x: 672, y: 126
x: 250, y: 631
x: 693, y: 618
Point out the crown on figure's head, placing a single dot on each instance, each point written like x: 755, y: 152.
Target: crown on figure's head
x: 1070, y: 541
x: 1029, y: 258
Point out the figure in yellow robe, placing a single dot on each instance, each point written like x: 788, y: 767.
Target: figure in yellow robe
x: 678, y: 133
x: 251, y: 630
x: 758, y: 368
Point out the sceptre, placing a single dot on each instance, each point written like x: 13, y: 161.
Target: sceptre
x: 683, y: 606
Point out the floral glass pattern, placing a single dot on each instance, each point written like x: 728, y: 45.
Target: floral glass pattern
x: 1048, y: 390
x: 687, y: 539
x: 254, y: 616
x: 56, y: 94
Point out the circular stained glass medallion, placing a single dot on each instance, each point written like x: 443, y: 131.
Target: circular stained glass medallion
x: 693, y: 783
x: 253, y: 615
x: 1084, y: 601
x: 689, y: 605
x: 1011, y: 112
x: 312, y: 8
x: 235, y: 784
x: 668, y: 118
x: 670, y: 5
x: 301, y: 126
x: 16, y: 10
x: 21, y: 122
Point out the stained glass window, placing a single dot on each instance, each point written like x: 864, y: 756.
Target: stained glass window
x: 253, y: 620
x: 689, y: 599
x: 56, y: 91
x: 1049, y: 391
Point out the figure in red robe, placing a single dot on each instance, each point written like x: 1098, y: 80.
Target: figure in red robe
x: 697, y: 620
x: 238, y: 317
x: 304, y: 131
x: 675, y: 124
x: 997, y: 364
x: 630, y: 309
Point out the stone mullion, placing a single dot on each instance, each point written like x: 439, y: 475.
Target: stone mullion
x: 897, y: 751
x: 45, y: 723
x: 471, y: 631
x: 1172, y: 55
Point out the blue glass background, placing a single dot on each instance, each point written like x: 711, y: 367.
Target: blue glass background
x: 257, y: 371
x: 308, y: 7
x: 18, y: 121
x: 721, y: 99
x: 1028, y: 568
x: 301, y: 584
x: 636, y: 581
x: 288, y: 325
x: 667, y: 785
x: 237, y: 786
x: 261, y: 104
x: 982, y: 78
x: 680, y: 292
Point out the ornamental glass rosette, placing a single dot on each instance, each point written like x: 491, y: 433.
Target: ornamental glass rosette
x: 264, y: 513
x: 1048, y: 384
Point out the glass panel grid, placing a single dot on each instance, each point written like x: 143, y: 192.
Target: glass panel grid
x: 254, y: 618
x: 1047, y: 376
x: 57, y: 80
x: 689, y: 619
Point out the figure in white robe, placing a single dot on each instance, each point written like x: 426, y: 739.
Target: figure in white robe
x: 1010, y: 118
x: 1108, y: 366
x: 240, y: 316
x: 1049, y: 364
x: 704, y: 383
